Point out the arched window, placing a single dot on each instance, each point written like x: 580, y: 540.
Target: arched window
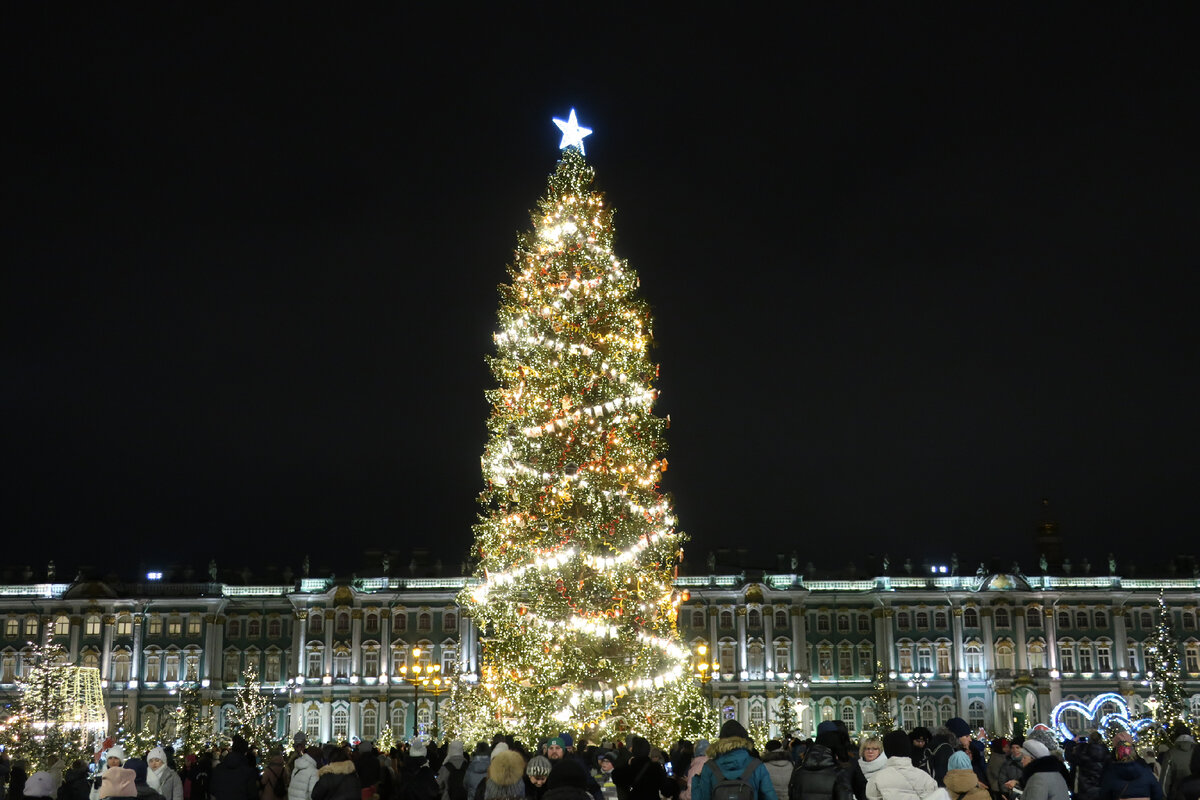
x: 316, y: 621
x: 1033, y: 617
x: 848, y: 716
x: 725, y: 619
x: 697, y: 618
x: 1081, y: 620
x: 62, y: 626
x: 906, y: 657
x: 843, y: 623
x: 1002, y: 618
x: 254, y: 628
x: 783, y: 655
x: 91, y: 627
x: 823, y: 623
x: 781, y: 619
x: 845, y: 662
x: 902, y: 620
x: 1100, y: 619
x: 975, y: 714
x: 152, y: 665
x: 939, y: 620
x: 424, y: 622
x: 371, y: 662
x: 1147, y: 620
x: 754, y: 618
x: 399, y: 622
x: 1066, y: 655
x: 371, y: 623
x: 120, y: 666
x: 342, y: 623
x: 825, y: 661
x: 1004, y: 655
x: 233, y: 628
x: 341, y: 664
x: 370, y: 723
x: 973, y: 658
x: 398, y: 723
x: 90, y: 659
x: 314, y: 662
x: 1191, y: 659
x: 232, y: 666
x: 758, y: 714
x: 1104, y: 656
x: 150, y: 718
x: 274, y: 627
x: 928, y: 713
x: 726, y: 656
x: 971, y: 617
x: 922, y: 619
x: 312, y: 723
x: 341, y: 723
x: 449, y: 620
x: 1036, y: 653
x: 1064, y: 619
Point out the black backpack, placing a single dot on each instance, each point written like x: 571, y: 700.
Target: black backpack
x: 454, y: 782
x: 734, y: 788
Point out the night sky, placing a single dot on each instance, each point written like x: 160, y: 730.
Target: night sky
x: 912, y: 272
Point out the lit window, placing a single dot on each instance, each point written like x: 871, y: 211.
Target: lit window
x: 1104, y: 657
x: 174, y: 627
x: 12, y: 627
x: 62, y: 626
x: 845, y: 662
x: 124, y: 626
x: 370, y: 723
x: 194, y: 625
x: 31, y: 626
x: 155, y: 626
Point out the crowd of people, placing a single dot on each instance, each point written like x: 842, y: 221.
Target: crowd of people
x: 951, y: 763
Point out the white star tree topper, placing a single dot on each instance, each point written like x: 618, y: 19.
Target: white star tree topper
x: 572, y: 132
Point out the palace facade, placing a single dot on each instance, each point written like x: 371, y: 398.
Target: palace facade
x: 999, y: 650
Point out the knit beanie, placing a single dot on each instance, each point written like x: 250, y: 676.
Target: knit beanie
x: 40, y: 784
x: 538, y: 765
x: 959, y: 761
x: 118, y: 782
x: 897, y: 743
x: 958, y: 726
x: 733, y: 728
x: 1035, y: 749
x: 158, y: 753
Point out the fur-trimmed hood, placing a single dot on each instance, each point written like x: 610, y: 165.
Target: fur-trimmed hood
x: 506, y: 768
x: 337, y: 768
x: 722, y: 746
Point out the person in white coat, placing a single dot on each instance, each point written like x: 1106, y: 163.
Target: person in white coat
x: 304, y: 778
x: 899, y: 780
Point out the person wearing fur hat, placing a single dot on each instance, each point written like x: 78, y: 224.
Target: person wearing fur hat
x: 505, y: 776
x: 729, y: 759
x: 160, y: 777
x: 40, y: 785
x: 1126, y: 776
x: 337, y: 780
x: 961, y: 780
x: 303, y: 776
x: 899, y: 779
x: 821, y: 776
x: 1045, y: 776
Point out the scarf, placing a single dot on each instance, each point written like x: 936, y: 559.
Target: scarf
x: 154, y: 777
x: 869, y: 768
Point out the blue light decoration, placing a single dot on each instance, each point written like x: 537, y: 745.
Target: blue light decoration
x: 1089, y: 712
x: 572, y: 132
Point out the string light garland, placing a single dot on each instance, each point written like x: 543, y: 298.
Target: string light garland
x: 577, y: 547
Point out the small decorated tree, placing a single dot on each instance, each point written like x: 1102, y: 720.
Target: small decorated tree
x: 50, y: 720
x: 253, y: 715
x: 190, y: 728
x: 785, y: 714
x: 1168, y: 704
x: 882, y: 697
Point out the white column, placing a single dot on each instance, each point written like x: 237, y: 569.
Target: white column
x: 106, y: 645
x: 300, y: 623
x: 356, y: 641
x: 1019, y: 626
x: 1120, y: 638
x: 799, y: 641
x: 740, y: 616
x: 769, y: 641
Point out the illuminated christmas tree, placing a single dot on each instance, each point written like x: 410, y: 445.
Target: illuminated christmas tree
x: 785, y: 713
x: 1167, y: 700
x: 55, y: 716
x: 386, y: 740
x: 190, y: 727
x: 253, y: 714
x: 576, y: 545
x: 882, y: 697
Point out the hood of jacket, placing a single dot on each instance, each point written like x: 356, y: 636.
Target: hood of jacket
x: 304, y: 761
x: 961, y: 780
x: 337, y: 768
x: 819, y: 757
x: 776, y: 755
x: 1043, y: 764
x: 729, y: 746
x: 506, y: 768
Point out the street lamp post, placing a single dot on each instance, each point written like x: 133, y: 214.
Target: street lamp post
x: 705, y: 670
x: 424, y: 676
x: 918, y: 681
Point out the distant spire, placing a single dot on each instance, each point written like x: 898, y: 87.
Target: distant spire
x: 1048, y: 540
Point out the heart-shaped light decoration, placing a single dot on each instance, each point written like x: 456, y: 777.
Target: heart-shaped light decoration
x: 1090, y: 711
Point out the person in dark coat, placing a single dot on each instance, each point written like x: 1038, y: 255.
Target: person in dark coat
x: 1127, y: 775
x: 233, y: 778
x: 1089, y: 758
x: 338, y: 779
x: 821, y: 776
x: 1189, y: 787
x: 568, y: 781
x: 76, y: 784
x: 642, y: 776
